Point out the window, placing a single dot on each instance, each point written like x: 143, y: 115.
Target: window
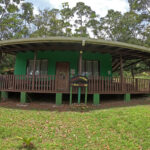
x: 90, y: 68
x: 41, y: 67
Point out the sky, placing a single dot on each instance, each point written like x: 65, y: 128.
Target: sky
x: 100, y: 6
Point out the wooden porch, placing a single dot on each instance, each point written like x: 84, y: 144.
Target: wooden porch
x: 49, y: 84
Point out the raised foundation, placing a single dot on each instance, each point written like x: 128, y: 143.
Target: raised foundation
x: 96, y: 99
x: 58, y: 98
x: 23, y: 97
x: 127, y: 97
x: 4, y: 96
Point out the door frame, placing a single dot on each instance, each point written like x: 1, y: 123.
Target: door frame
x: 68, y: 74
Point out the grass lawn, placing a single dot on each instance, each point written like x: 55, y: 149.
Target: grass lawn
x: 125, y: 128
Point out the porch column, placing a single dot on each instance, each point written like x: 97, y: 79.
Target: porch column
x: 80, y: 63
x: 34, y: 65
x: 58, y: 98
x: 96, y: 99
x: 127, y: 97
x: 80, y: 72
x: 80, y: 69
x: 121, y: 73
x: 80, y: 57
x: 23, y: 97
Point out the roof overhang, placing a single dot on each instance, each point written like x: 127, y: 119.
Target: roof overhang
x: 128, y: 51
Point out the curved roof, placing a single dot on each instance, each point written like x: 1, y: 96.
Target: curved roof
x: 66, y: 43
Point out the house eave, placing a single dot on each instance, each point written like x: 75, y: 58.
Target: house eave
x: 68, y: 43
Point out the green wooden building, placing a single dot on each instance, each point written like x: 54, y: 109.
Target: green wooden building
x: 47, y: 65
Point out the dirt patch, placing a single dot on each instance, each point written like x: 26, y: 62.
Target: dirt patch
x: 74, y: 107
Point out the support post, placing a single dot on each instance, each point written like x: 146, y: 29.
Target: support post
x: 149, y: 87
x: 4, y: 96
x: 80, y: 63
x: 34, y: 66
x: 127, y: 97
x: 58, y: 98
x: 80, y: 72
x: 96, y: 99
x: 23, y: 97
x: 86, y: 92
x: 121, y: 73
x: 136, y: 84
x: 70, y: 95
x: 79, y: 95
x: 80, y: 58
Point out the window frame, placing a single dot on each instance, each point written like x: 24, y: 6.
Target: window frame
x: 85, y: 66
x: 27, y: 72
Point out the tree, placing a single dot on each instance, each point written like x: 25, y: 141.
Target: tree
x: 9, y: 21
x: 131, y: 27
x: 7, y: 62
x: 123, y: 28
x: 47, y: 23
x: 11, y: 26
x: 27, y: 17
x: 109, y: 26
x: 66, y: 15
x: 93, y: 24
x: 142, y: 6
x: 82, y: 13
x: 146, y: 35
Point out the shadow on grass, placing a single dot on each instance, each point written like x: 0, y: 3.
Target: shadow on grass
x: 26, y: 148
x: 47, y: 106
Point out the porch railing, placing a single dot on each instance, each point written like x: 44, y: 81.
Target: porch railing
x: 114, y: 85
x: 48, y: 84
x: 26, y: 83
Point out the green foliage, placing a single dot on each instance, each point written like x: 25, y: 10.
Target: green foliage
x: 118, y: 27
x: 13, y: 25
x: 140, y: 5
x: 27, y: 17
x: 47, y: 23
x: 66, y: 15
x: 80, y: 21
x: 84, y: 14
x: 27, y: 142
x: 7, y: 62
x: 138, y: 68
x: 142, y: 8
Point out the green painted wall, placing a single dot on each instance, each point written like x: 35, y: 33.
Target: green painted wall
x: 21, y: 62
x: 105, y: 62
x: 67, y: 56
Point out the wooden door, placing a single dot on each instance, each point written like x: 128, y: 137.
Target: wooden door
x: 62, y: 76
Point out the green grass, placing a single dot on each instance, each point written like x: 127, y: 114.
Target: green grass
x: 115, y: 129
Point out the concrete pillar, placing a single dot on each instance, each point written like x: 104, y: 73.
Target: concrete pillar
x: 127, y: 97
x: 79, y: 95
x: 96, y: 99
x: 58, y: 98
x: 23, y: 97
x: 4, y: 96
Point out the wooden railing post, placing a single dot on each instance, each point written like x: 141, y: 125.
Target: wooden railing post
x: 149, y: 85
x: 34, y: 66
x: 121, y: 74
x: 136, y: 84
